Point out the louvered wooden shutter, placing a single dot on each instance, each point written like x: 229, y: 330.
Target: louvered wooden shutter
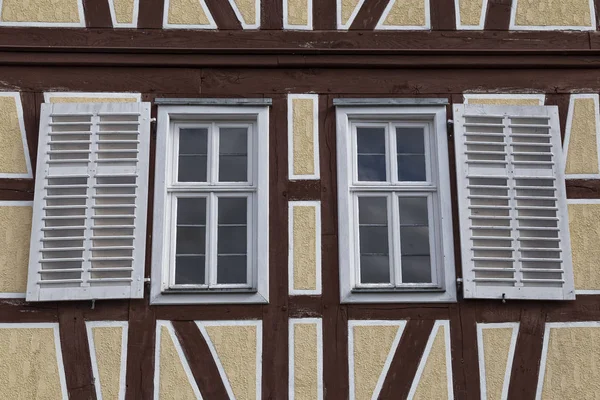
x: 91, y: 191
x: 512, y: 202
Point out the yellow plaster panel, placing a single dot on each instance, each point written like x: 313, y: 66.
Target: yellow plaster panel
x: 582, y: 157
x: 12, y: 153
x: 297, y: 12
x: 505, y: 102
x: 173, y: 381
x: 46, y: 11
x: 15, y: 233
x: 584, y: 226
x: 187, y: 12
x: 572, y: 364
x: 235, y: 346
x: 92, y: 100
x: 434, y: 380
x: 372, y: 345
x: 553, y: 13
x: 124, y: 11
x: 305, y: 255
x: 406, y: 13
x: 348, y: 7
x: 496, y: 345
x: 304, y: 145
x: 470, y: 11
x: 28, y: 364
x: 305, y: 362
x: 107, y: 346
x: 248, y: 10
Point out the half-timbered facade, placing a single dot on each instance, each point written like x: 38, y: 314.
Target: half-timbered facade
x: 299, y: 199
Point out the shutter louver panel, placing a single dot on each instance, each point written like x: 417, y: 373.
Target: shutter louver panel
x: 88, y: 234
x: 514, y: 222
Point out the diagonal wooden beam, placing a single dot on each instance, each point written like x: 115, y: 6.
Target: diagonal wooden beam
x: 97, y: 14
x: 406, y: 360
x: 497, y: 17
x: 443, y: 15
x: 201, y: 362
x: 369, y: 15
x: 150, y: 14
x: 223, y: 14
x: 562, y: 101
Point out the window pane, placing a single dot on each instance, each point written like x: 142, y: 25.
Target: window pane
x: 370, y: 146
x: 233, y: 154
x: 410, y: 147
x: 373, y: 238
x: 191, y: 240
x: 413, y: 211
x: 416, y: 269
x: 189, y: 270
x: 193, y: 144
x: 232, y: 240
x: 414, y: 238
x: 191, y: 211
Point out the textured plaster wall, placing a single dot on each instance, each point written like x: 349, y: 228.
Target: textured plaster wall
x: 173, y: 381
x: 187, y: 12
x: 248, y: 10
x: 347, y: 8
x: 372, y: 345
x: 505, y: 102
x: 236, y: 348
x: 15, y: 233
x: 406, y: 13
x: 107, y: 343
x: 304, y: 146
x: 434, y: 381
x: 470, y: 11
x: 124, y: 11
x: 298, y: 12
x: 305, y: 362
x: 57, y: 11
x: 12, y: 154
x: 553, y: 13
x: 28, y: 365
x: 572, y: 364
x: 92, y: 100
x: 582, y: 157
x: 496, y: 347
x: 305, y: 255
x: 584, y: 226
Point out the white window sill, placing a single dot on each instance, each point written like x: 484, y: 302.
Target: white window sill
x: 209, y: 298
x: 399, y: 296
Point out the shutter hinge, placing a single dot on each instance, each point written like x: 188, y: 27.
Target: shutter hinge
x: 146, y: 280
x: 152, y: 120
x: 450, y: 124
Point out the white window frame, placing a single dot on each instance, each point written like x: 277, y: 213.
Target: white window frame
x: 433, y: 118
x: 170, y: 119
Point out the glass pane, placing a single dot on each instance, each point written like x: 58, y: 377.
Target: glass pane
x: 191, y: 240
x: 191, y: 211
x: 193, y: 144
x: 416, y: 269
x: 414, y: 240
x: 189, y: 270
x: 410, y: 147
x: 413, y: 211
x: 373, y: 239
x: 232, y: 240
x: 231, y: 269
x: 370, y: 146
x: 233, y: 154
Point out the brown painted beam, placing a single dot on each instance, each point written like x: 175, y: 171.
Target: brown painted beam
x: 140, y: 351
x: 583, y: 189
x: 201, y: 362
x: 406, y: 360
x: 324, y: 15
x: 597, y: 7
x: 304, y: 190
x: 528, y: 353
x: 16, y: 189
x: 97, y: 14
x: 271, y: 14
x: 463, y: 343
x: 150, y: 14
x: 20, y: 311
x: 443, y: 17
x: 31, y: 102
x: 223, y: 15
x: 369, y: 15
x: 76, y: 351
x: 498, y: 15
x: 562, y: 102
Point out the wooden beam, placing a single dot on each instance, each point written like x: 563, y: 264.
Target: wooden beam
x: 369, y: 15
x: 150, y: 14
x: 304, y: 190
x: 140, y: 351
x: 97, y: 14
x: 223, y: 15
x: 324, y: 15
x: 16, y: 189
x: 443, y: 17
x: 498, y: 15
x: 271, y: 13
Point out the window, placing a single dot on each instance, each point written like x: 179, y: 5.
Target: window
x: 512, y: 201
x: 89, y: 217
x: 211, y: 205
x: 394, y: 203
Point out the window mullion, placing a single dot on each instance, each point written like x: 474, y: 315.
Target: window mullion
x: 213, y: 154
x: 396, y: 251
x: 212, y: 240
x: 392, y: 157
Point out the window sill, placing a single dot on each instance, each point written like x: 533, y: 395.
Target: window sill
x: 432, y: 295
x: 196, y: 296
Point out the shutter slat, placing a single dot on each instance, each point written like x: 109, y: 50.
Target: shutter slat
x: 514, y: 223
x: 88, y: 236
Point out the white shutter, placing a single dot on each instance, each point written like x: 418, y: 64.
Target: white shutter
x: 512, y: 203
x: 88, y: 235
